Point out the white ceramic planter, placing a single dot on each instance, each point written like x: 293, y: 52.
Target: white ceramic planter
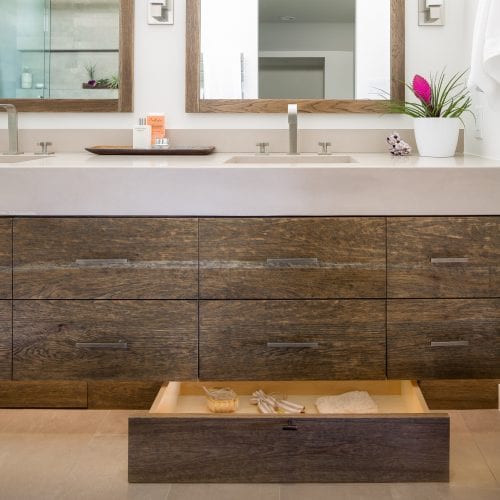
x: 437, y: 137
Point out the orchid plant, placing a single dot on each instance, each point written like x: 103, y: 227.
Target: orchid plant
x: 441, y: 97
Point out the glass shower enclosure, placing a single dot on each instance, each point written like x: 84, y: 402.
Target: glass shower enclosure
x: 59, y: 49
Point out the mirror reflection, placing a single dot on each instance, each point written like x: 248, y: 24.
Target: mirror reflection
x: 59, y: 49
x: 295, y: 49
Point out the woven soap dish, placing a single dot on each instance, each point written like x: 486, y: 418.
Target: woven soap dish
x: 221, y: 399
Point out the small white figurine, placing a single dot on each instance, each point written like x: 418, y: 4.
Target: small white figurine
x: 398, y: 146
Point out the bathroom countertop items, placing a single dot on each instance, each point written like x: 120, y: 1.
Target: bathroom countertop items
x: 350, y: 402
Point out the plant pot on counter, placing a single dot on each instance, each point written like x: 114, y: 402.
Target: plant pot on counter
x: 437, y: 137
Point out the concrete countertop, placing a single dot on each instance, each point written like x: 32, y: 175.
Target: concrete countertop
x: 378, y: 184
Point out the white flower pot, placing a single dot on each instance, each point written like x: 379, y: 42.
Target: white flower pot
x: 437, y: 137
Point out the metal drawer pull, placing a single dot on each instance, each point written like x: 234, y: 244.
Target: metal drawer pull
x: 453, y: 343
x: 100, y: 262
x: 290, y: 426
x: 448, y: 260
x: 293, y: 345
x: 292, y: 262
x: 101, y: 345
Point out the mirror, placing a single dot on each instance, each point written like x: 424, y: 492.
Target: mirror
x: 327, y: 55
x: 66, y: 55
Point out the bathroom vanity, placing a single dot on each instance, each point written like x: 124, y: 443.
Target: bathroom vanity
x: 329, y: 277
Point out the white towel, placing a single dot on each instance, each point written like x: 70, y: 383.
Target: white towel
x: 350, y: 402
x: 485, y: 64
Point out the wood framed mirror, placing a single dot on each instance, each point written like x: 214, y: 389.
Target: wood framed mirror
x: 254, y: 45
x: 68, y: 56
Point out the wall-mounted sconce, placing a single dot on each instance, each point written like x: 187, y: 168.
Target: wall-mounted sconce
x: 160, y: 11
x: 431, y: 12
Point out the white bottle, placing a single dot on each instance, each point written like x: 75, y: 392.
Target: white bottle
x: 26, y: 79
x: 142, y: 135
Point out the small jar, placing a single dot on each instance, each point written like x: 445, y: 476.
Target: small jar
x: 221, y: 399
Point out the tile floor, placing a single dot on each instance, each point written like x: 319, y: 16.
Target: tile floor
x: 70, y: 454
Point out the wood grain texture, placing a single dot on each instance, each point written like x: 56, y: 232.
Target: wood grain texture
x: 413, y: 324
x: 193, y: 55
x: 5, y: 259
x: 104, y: 395
x: 234, y: 337
x: 460, y: 394
x: 350, y: 253
x: 194, y: 103
x: 43, y: 394
x: 161, y: 337
x: 52, y: 257
x: 5, y: 339
x: 126, y: 70
x: 414, y: 241
x: 258, y: 450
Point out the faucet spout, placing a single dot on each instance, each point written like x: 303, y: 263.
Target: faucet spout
x: 13, y: 128
x: 293, y: 122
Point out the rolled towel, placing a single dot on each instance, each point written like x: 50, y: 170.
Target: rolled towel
x: 350, y: 402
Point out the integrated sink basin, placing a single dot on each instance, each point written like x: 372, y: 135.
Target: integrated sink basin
x: 291, y: 159
x: 18, y: 158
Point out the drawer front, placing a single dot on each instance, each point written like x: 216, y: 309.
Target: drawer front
x: 443, y: 339
x: 5, y: 259
x: 292, y: 340
x: 283, y: 258
x: 5, y: 340
x: 118, y: 340
x: 436, y: 257
x: 266, y: 450
x: 103, y: 258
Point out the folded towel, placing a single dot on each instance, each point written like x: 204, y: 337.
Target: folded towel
x: 485, y: 64
x: 268, y: 404
x: 350, y: 402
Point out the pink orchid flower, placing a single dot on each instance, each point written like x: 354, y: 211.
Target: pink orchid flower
x: 422, y: 89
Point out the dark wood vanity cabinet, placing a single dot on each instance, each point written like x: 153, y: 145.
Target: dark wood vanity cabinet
x: 292, y: 340
x: 292, y: 258
x: 5, y: 340
x: 105, y: 258
x: 117, y: 340
x: 5, y: 259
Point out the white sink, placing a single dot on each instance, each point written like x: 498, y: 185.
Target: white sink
x: 291, y: 159
x: 19, y: 158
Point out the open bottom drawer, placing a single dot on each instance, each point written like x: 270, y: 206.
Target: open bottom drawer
x: 182, y: 441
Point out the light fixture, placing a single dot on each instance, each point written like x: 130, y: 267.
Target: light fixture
x: 160, y: 11
x: 288, y: 19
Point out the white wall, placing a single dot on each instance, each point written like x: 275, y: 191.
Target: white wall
x: 159, y: 78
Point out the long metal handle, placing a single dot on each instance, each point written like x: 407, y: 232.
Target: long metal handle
x: 452, y: 343
x: 448, y: 260
x: 100, y: 262
x: 101, y: 345
x: 292, y: 262
x: 293, y: 345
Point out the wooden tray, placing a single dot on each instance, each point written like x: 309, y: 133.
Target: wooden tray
x: 127, y: 150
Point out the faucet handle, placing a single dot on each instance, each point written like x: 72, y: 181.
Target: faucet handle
x: 44, y: 145
x: 324, y: 147
x: 263, y: 147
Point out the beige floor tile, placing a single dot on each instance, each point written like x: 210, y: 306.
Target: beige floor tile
x: 442, y: 492
x: 116, y: 421
x: 457, y: 422
x: 53, y: 421
x: 335, y: 492
x: 489, y: 444
x: 482, y: 421
x: 467, y: 464
x: 224, y: 492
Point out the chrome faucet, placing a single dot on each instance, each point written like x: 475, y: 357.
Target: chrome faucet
x: 293, y: 129
x: 13, y: 129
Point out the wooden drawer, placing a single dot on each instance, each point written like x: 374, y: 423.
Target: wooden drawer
x: 448, y: 257
x: 443, y: 339
x: 5, y: 340
x: 292, y: 340
x: 283, y: 258
x: 119, y: 340
x: 103, y: 258
x: 182, y: 443
x: 5, y: 259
